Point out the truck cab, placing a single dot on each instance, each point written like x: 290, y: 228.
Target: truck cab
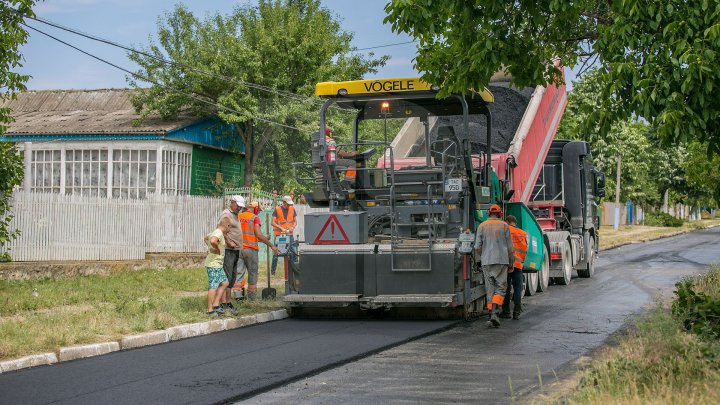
x: 565, y: 203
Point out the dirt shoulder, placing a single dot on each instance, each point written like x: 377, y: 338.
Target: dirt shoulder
x: 610, y: 238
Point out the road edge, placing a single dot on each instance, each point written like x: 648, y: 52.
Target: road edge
x: 173, y: 333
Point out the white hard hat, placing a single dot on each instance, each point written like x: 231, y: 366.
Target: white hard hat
x: 238, y: 199
x: 287, y: 199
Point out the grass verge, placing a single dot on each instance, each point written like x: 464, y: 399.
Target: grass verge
x: 664, y: 358
x: 636, y: 233
x: 90, y: 309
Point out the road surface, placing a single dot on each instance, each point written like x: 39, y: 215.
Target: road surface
x: 466, y: 363
x: 471, y: 363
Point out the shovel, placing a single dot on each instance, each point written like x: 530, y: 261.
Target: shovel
x: 268, y: 293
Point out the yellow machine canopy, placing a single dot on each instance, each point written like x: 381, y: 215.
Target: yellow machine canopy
x: 381, y: 87
x: 399, y: 98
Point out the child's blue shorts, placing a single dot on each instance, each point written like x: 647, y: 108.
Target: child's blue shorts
x: 216, y: 276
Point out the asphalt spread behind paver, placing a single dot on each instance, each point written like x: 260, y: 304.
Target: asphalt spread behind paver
x: 212, y: 368
x: 473, y: 364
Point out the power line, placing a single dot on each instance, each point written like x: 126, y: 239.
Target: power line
x: 205, y: 72
x: 384, y: 46
x: 141, y: 77
x: 175, y: 64
x: 288, y: 94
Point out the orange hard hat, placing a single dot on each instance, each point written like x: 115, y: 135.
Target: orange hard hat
x: 495, y: 209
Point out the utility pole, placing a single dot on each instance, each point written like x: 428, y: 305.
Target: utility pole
x: 616, y: 221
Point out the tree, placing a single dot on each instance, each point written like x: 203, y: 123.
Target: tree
x: 657, y: 59
x: 703, y: 176
x: 650, y: 169
x: 11, y: 169
x: 283, y: 45
x: 629, y: 138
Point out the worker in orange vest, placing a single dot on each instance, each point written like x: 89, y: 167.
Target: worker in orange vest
x: 340, y: 157
x: 515, y: 275
x: 494, y: 249
x: 283, y: 223
x: 250, y: 224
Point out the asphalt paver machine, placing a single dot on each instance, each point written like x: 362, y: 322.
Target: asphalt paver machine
x: 399, y: 237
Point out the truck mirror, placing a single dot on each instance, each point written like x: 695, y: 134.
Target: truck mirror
x: 600, y: 180
x: 600, y: 184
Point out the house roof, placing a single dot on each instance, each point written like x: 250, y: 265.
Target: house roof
x: 105, y: 111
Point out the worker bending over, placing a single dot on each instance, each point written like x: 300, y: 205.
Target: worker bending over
x: 493, y: 246
x: 515, y: 272
x: 250, y: 223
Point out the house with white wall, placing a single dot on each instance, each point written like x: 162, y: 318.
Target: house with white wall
x: 89, y: 142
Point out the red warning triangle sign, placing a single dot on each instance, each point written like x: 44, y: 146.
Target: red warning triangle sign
x: 332, y: 233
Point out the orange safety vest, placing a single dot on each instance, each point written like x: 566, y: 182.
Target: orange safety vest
x: 519, y: 240
x: 248, y: 227
x: 285, y: 223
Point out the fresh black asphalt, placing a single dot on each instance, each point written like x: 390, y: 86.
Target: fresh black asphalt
x: 209, y: 369
x: 473, y: 364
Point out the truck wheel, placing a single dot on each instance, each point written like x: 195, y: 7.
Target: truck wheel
x: 567, y: 267
x: 589, y: 269
x: 531, y: 283
x: 544, y: 275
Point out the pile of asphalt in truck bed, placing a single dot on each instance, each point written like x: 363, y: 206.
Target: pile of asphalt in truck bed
x: 507, y: 111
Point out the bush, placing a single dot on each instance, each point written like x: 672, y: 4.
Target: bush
x: 699, y: 312
x: 662, y: 219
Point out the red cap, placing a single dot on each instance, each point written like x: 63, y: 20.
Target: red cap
x: 328, y: 131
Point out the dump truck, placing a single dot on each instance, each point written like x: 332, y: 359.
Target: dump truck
x: 400, y: 235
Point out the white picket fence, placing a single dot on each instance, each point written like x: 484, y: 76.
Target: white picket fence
x: 70, y: 227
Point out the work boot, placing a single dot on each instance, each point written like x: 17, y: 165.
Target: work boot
x: 505, y: 314
x: 494, y: 318
x: 229, y: 307
x: 252, y: 296
x: 516, y: 312
x: 241, y: 297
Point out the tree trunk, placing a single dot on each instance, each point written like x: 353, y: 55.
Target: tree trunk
x: 617, y: 180
x: 249, y: 169
x: 252, y: 150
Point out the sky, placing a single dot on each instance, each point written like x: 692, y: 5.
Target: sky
x: 53, y: 65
